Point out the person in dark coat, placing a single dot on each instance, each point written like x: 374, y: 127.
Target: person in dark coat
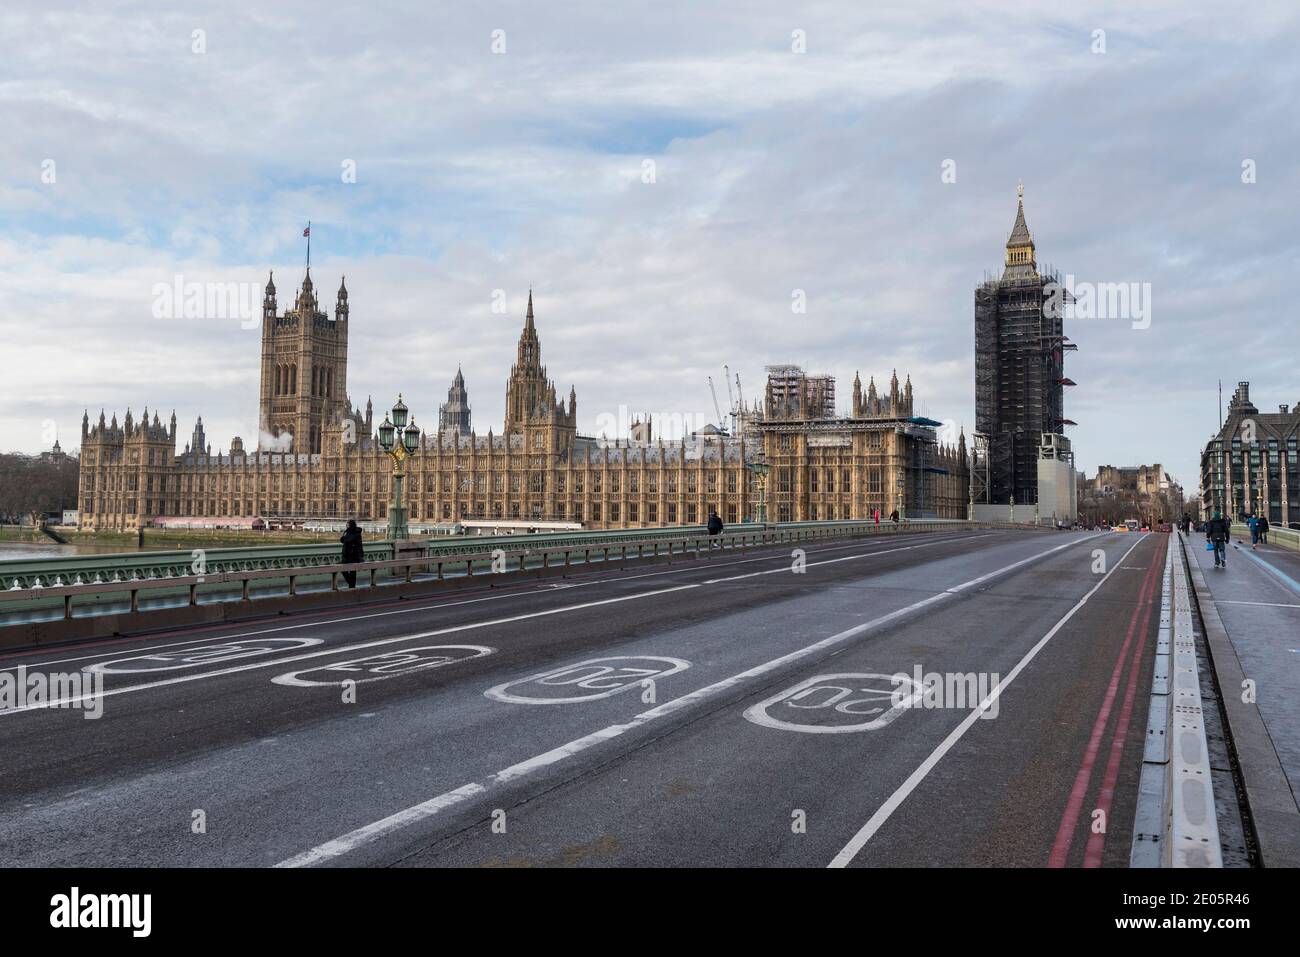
x: 353, y: 551
x: 1262, y: 528
x: 1218, y: 530
x: 893, y: 516
x: 715, y: 523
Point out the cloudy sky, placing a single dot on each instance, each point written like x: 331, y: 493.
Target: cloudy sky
x: 502, y: 145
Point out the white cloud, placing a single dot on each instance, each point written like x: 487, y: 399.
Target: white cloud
x: 775, y: 171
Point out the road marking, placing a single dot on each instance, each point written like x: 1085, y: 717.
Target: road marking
x: 886, y: 810
x: 374, y: 831
x: 391, y: 664
x: 596, y: 675
x: 881, y: 690
x: 1097, y: 839
x: 203, y: 655
x: 449, y: 630
x: 1277, y: 573
x: 523, y: 592
x: 1065, y: 829
x: 1267, y: 604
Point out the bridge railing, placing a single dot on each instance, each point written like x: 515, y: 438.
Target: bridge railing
x: 1277, y: 535
x: 441, y: 563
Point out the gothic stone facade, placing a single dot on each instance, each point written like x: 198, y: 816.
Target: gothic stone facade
x: 1252, y: 466
x: 318, y: 458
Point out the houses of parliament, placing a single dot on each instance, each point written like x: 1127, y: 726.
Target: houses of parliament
x: 317, y: 457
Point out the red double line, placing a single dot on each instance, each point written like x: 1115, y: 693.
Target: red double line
x: 1065, y: 832
x: 1097, y: 840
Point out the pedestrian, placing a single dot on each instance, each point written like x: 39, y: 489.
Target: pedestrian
x: 875, y: 513
x: 893, y: 516
x: 353, y: 551
x: 1253, y: 524
x: 1217, y: 531
x: 1262, y: 528
x: 715, y: 525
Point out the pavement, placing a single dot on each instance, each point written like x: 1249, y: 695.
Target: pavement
x: 1253, y: 606
x: 738, y: 711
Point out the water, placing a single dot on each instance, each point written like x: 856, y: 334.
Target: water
x: 30, y: 551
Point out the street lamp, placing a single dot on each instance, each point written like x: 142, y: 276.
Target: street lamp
x: 400, y: 440
x: 760, y: 470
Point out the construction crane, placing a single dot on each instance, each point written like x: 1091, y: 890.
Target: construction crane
x: 716, y: 408
x: 731, y: 399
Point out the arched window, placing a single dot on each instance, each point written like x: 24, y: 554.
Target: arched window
x: 276, y: 390
x: 293, y: 379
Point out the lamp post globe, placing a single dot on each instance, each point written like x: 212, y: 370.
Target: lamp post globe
x: 386, y: 435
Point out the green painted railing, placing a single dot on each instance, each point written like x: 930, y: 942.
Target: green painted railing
x: 167, y: 576
x: 35, y: 602
x: 177, y: 563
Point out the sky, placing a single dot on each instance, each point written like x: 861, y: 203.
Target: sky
x: 683, y: 186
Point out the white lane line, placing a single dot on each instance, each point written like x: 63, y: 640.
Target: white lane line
x: 371, y: 832
x: 1268, y: 604
x: 829, y: 561
x: 449, y: 630
x: 526, y: 592
x: 877, y: 820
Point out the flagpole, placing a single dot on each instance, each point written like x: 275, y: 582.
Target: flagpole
x: 309, y: 245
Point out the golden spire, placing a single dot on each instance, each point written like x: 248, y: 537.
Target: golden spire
x: 1020, y: 245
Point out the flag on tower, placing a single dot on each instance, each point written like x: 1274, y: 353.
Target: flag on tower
x: 307, y: 231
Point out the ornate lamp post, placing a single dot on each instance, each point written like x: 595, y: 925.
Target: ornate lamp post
x: 400, y: 440
x: 760, y: 470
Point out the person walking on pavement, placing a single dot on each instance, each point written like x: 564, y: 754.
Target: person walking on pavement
x: 1262, y: 528
x: 1253, y: 524
x: 1217, y: 531
x: 715, y: 525
x: 893, y: 516
x: 353, y: 551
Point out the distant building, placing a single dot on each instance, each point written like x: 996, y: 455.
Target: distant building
x: 1144, y: 492
x: 318, y: 460
x: 1252, y: 466
x: 1019, y: 373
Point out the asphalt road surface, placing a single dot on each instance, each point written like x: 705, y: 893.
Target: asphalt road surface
x: 738, y: 711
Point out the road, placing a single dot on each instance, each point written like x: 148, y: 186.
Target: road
x: 735, y: 711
